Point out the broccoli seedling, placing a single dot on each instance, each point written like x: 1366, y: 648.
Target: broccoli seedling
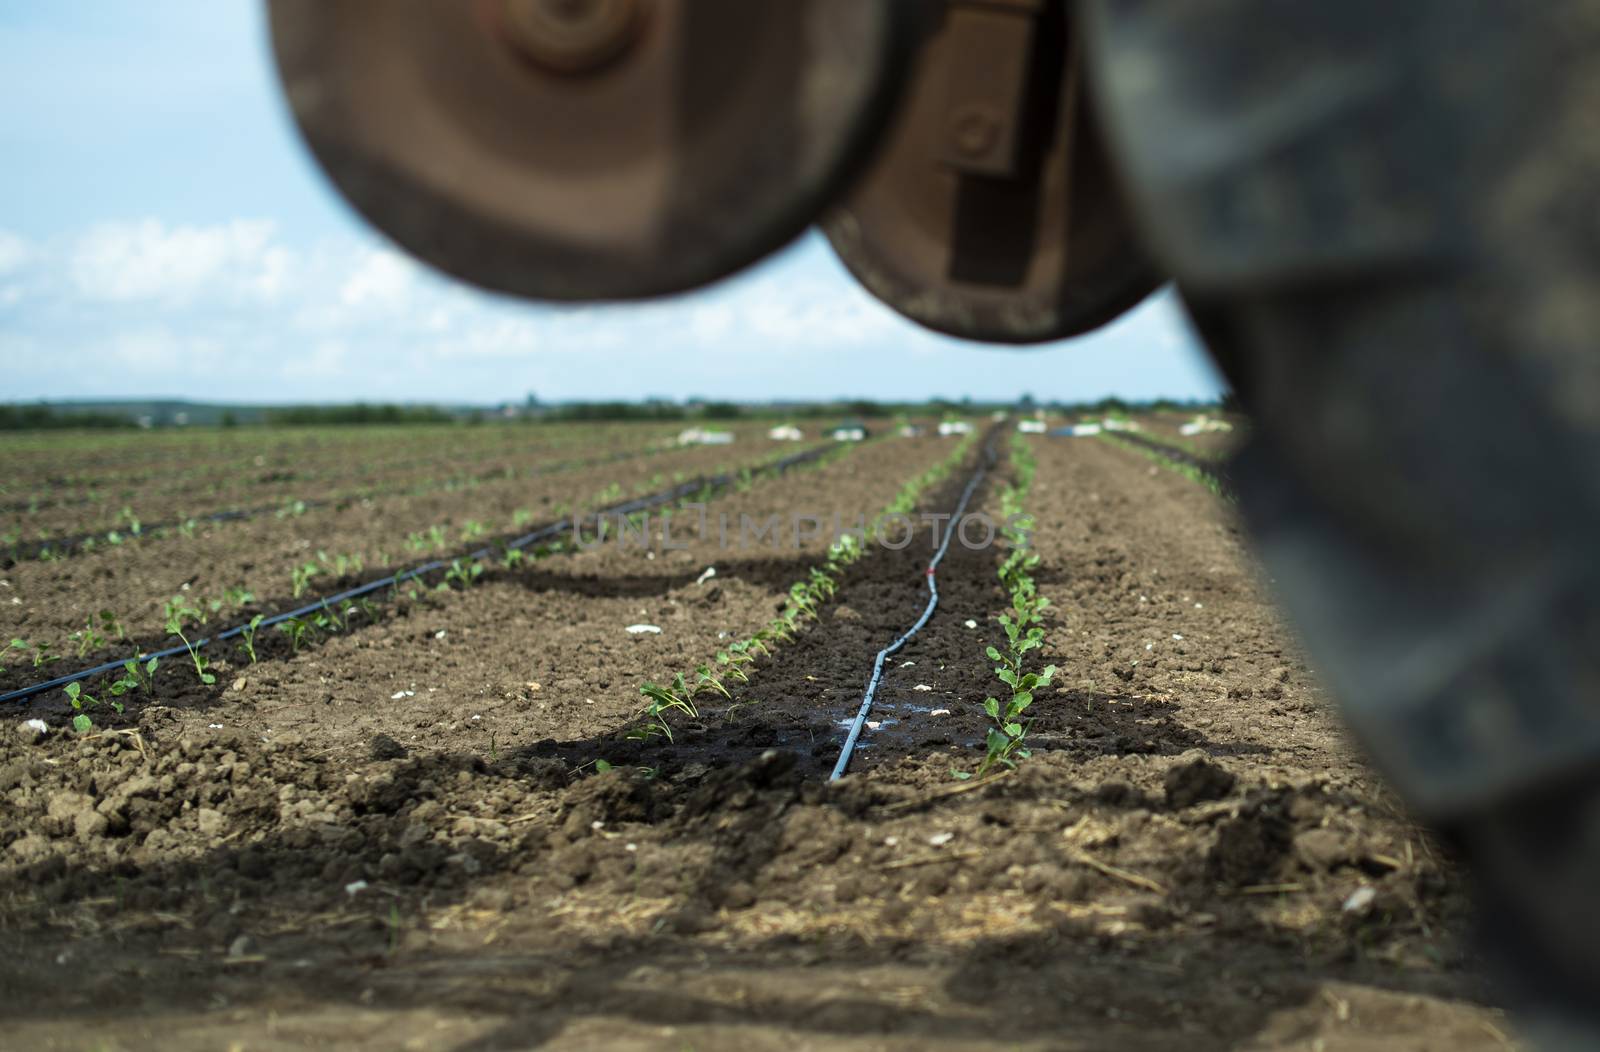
x: 300, y: 578
x: 248, y: 634
x: 178, y: 611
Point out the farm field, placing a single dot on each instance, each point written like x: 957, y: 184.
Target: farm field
x: 448, y: 817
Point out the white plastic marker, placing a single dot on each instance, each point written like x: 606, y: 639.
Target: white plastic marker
x: 933, y: 601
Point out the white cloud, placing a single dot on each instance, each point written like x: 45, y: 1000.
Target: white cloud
x: 496, y: 338
x: 383, y: 279
x: 277, y: 266
x: 14, y: 252
x: 234, y: 310
x: 325, y: 359
x: 149, y: 261
x: 147, y: 350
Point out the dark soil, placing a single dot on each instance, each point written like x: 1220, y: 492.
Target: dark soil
x: 400, y: 838
x: 46, y: 601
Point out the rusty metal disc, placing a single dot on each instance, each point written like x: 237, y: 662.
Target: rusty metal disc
x: 591, y: 149
x: 992, y: 212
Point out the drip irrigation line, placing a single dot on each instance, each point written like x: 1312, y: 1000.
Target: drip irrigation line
x: 543, y: 533
x: 23, y: 551
x: 927, y: 612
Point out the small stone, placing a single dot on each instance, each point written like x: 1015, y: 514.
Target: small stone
x: 239, y: 684
x: 1359, y: 900
x: 243, y: 946
x: 33, y: 731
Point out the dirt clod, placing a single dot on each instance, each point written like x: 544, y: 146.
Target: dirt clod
x: 1197, y: 782
x: 386, y: 748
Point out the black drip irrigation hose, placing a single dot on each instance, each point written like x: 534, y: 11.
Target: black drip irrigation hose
x: 23, y: 551
x: 543, y: 533
x: 927, y: 613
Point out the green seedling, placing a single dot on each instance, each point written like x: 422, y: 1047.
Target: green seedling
x: 88, y: 638
x: 341, y: 565
x: 248, y: 634
x: 802, y: 600
x: 298, y: 631
x: 662, y: 701
x: 112, y: 627
x: 138, y: 673
x: 81, y: 722
x: 463, y: 574
x: 704, y: 678
x: 513, y: 558
x: 300, y: 578
x: 734, y: 659
x: 41, y: 653
x: 521, y: 517
x: 178, y: 611
x: 239, y: 597
x: 15, y: 644
x: 472, y: 530
x: 1004, y: 741
x: 82, y: 701
x: 329, y: 621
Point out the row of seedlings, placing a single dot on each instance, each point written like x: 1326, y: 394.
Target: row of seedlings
x: 1023, y: 624
x: 806, y: 597
x: 1182, y: 459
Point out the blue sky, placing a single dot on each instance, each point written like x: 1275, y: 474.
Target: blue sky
x: 163, y: 233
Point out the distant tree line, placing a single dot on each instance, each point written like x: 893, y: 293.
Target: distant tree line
x: 44, y: 418
x: 664, y: 410
x: 357, y: 414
